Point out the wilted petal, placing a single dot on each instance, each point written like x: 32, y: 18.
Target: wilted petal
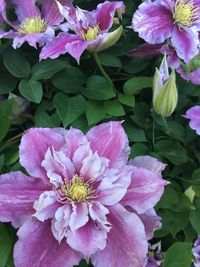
x: 126, y: 241
x: 194, y: 115
x: 46, y: 205
x: 79, y: 216
x: 105, y: 13
x: 26, y: 9
x: 34, y: 145
x: 149, y: 163
x: 64, y: 43
x: 60, y: 223
x: 87, y: 239
x: 17, y: 195
x: 151, y: 222
x: 111, y: 142
x: 186, y: 42
x: 37, y: 247
x: 153, y: 22
x: 145, y: 190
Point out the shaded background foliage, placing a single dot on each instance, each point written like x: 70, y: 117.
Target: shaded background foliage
x: 61, y: 93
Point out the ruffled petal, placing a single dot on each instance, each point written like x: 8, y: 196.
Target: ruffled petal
x: 148, y: 163
x: 79, y: 216
x: 186, y: 42
x: 126, y: 241
x: 46, y: 205
x: 87, y: 239
x: 145, y: 190
x: 58, y: 167
x: 26, y: 9
x: 105, y: 13
x: 194, y: 115
x: 17, y: 195
x: 111, y: 142
x: 37, y: 247
x: 153, y: 22
x: 62, y: 44
x: 98, y: 213
x: 34, y: 145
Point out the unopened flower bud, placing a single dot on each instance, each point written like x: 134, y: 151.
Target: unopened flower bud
x: 165, y: 95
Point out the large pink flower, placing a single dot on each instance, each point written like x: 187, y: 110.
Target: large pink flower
x: 91, y: 30
x: 83, y: 199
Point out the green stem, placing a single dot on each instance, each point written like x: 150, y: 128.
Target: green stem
x: 102, y: 69
x: 166, y: 125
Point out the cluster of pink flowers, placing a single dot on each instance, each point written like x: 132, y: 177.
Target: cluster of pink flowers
x: 83, y: 199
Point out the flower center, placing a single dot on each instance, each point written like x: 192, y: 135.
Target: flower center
x: 185, y: 12
x: 32, y: 25
x: 91, y: 33
x: 77, y: 190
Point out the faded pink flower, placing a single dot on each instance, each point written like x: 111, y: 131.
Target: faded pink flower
x: 83, y: 199
x: 193, y: 114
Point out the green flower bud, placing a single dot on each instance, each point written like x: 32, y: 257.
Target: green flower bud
x: 165, y: 95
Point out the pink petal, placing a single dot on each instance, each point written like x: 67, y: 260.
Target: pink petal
x: 87, y: 239
x: 79, y: 216
x: 105, y: 13
x: 80, y: 154
x: 98, y: 213
x: 37, y: 247
x: 145, y: 190
x: 62, y: 44
x: 46, y: 205
x: 111, y: 142
x: 153, y: 22
x: 186, y: 42
x: 114, y: 186
x: 34, y: 144
x: 194, y: 115
x: 60, y: 223
x: 151, y: 222
x: 26, y: 9
x: 126, y: 243
x: 148, y: 163
x: 58, y: 167
x: 17, y: 195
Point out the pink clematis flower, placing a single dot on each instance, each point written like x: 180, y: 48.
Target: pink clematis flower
x: 174, y: 20
x: 193, y: 114
x: 90, y: 28
x: 83, y: 199
x: 33, y: 25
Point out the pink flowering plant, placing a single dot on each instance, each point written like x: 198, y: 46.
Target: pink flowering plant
x: 99, y: 133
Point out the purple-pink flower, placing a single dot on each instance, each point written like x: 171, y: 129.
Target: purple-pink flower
x: 196, y: 252
x: 83, y: 199
x: 33, y: 25
x: 91, y: 30
x: 174, y: 20
x: 193, y: 114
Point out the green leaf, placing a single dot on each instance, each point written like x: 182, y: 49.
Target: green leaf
x: 126, y: 100
x: 136, y: 84
x: 178, y: 255
x: 47, y: 68
x: 31, y: 90
x: 194, y: 63
x: 7, y: 83
x: 169, y: 198
x: 69, y: 80
x: 135, y: 134
x: 110, y: 60
x: 114, y: 108
x: 17, y: 65
x: 6, y: 245
x: 98, y: 88
x: 69, y: 108
x: 95, y: 112
x: 5, y: 117
x: 195, y: 217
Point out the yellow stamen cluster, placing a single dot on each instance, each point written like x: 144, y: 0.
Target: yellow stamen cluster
x: 32, y: 25
x: 91, y: 33
x: 185, y: 12
x: 77, y: 190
